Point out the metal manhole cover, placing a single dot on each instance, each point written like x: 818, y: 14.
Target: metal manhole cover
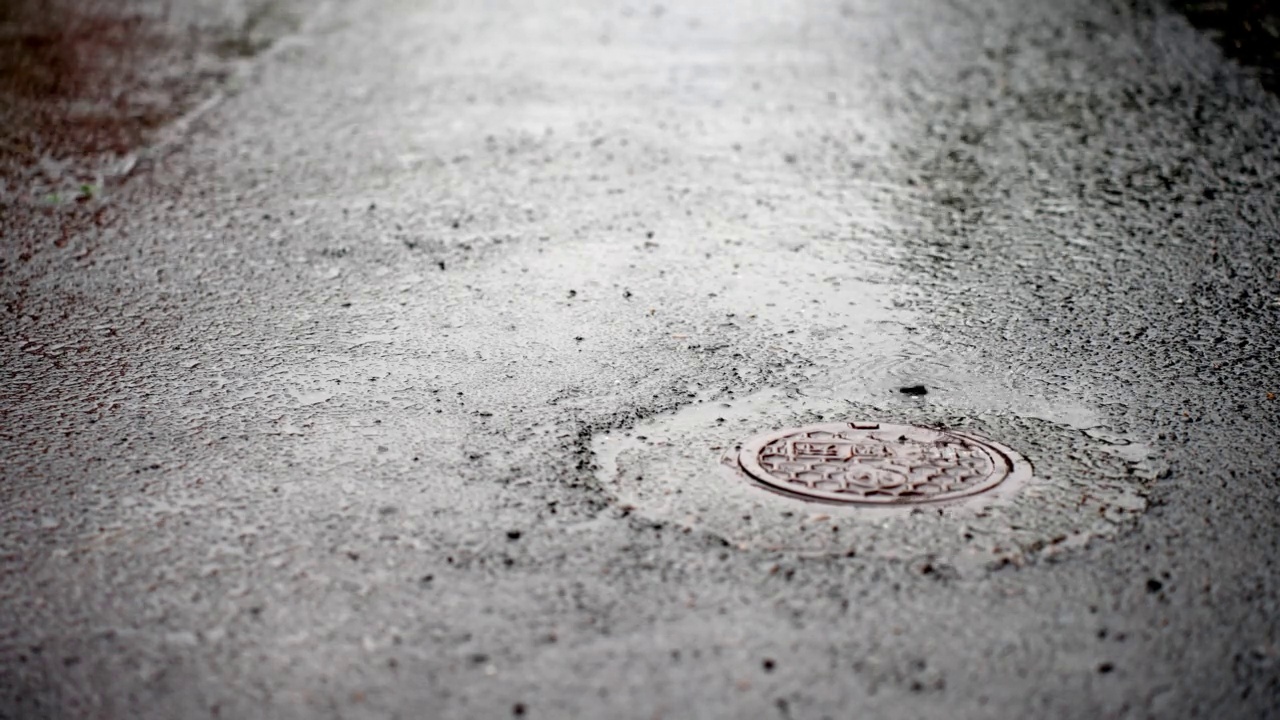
x: 879, y: 463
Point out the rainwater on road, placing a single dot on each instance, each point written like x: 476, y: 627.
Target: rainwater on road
x: 390, y: 359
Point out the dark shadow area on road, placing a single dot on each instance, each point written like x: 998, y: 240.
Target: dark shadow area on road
x: 85, y: 83
x: 1248, y: 31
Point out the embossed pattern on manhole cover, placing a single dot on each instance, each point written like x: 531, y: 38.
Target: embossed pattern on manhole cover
x: 879, y: 463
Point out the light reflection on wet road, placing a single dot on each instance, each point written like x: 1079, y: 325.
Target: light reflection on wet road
x: 396, y: 385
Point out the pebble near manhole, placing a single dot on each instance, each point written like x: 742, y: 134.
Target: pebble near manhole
x: 878, y: 463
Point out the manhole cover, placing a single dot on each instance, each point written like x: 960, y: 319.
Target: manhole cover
x: 879, y: 463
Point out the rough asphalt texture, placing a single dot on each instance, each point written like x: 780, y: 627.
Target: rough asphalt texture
x: 308, y: 415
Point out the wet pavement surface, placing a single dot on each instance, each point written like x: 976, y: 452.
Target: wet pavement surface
x: 92, y: 89
x: 397, y: 366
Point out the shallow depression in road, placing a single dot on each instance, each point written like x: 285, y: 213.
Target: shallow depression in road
x: 683, y: 468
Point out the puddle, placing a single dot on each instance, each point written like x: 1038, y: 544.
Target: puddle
x: 681, y: 468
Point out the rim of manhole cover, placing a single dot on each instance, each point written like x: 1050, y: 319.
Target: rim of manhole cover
x: 879, y: 463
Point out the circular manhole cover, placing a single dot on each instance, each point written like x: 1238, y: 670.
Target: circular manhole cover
x: 879, y: 463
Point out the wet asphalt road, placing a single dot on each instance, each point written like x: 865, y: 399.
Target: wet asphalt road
x: 394, y: 381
